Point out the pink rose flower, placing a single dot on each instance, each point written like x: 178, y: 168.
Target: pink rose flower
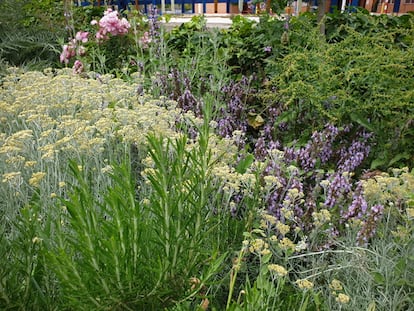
x: 82, y: 36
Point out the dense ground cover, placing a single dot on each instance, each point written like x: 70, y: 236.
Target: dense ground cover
x: 264, y: 167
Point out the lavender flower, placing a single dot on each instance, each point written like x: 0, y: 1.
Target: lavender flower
x: 267, y: 49
x: 319, y: 148
x: 339, y: 186
x: 234, y: 114
x: 260, y: 150
x: 286, y: 25
x: 153, y: 23
x: 358, y: 207
x: 188, y: 102
x: 369, y: 225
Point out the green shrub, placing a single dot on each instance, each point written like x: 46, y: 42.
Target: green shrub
x: 30, y: 31
x: 363, y: 79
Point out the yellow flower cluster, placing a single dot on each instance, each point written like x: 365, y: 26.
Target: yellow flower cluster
x: 343, y: 298
x: 53, y: 116
x: 286, y: 244
x: 36, y: 178
x: 269, y: 218
x: 15, y: 142
x: 229, y: 176
x: 270, y: 222
x: 287, y: 213
x: 410, y: 213
x: 12, y: 177
x: 336, y: 286
x: 384, y: 188
x: 282, y: 228
x: 259, y: 246
x: 293, y: 196
x: 233, y: 181
x: 304, y: 284
x: 322, y: 217
x: 271, y: 183
x: 279, y: 270
x: 68, y: 113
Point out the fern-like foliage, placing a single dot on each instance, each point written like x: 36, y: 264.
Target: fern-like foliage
x: 26, y: 43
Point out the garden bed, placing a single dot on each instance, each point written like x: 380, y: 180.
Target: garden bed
x: 260, y: 167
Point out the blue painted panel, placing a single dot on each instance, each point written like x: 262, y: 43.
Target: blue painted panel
x: 334, y: 6
x: 123, y: 4
x: 397, y: 4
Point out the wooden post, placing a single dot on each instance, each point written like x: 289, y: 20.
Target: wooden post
x: 268, y: 6
x: 136, y: 5
x: 384, y: 8
x: 215, y: 6
x: 163, y: 7
x: 299, y: 7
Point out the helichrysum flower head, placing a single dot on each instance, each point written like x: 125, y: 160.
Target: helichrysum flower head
x: 335, y: 285
x: 287, y: 213
x: 271, y: 182
x: 30, y: 163
x: 282, y: 228
x: 107, y: 169
x: 258, y: 245
x: 245, y: 244
x: 321, y: 217
x: 265, y: 251
x: 343, y: 298
x: 286, y: 244
x: 12, y: 177
x: 279, y: 270
x: 410, y: 213
x: 304, y: 284
x: 36, y: 178
x: 301, y: 245
x: 269, y: 218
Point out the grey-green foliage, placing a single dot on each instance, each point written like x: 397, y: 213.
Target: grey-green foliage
x: 381, y: 276
x: 133, y: 246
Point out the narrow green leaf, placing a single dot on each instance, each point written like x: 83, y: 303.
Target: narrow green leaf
x: 361, y: 121
x: 244, y: 164
x: 378, y: 278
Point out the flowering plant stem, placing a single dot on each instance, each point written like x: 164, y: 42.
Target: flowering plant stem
x: 233, y: 275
